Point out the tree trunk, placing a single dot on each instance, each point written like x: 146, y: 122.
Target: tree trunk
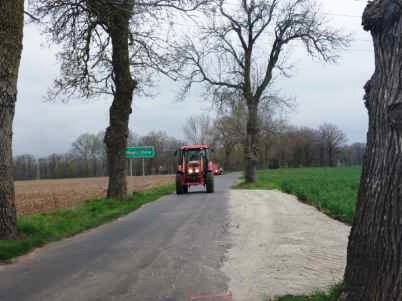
x: 374, y: 263
x: 250, y: 145
x: 265, y: 155
x: 227, y: 152
x: 331, y: 156
x: 11, y: 26
x: 117, y: 132
x: 323, y: 160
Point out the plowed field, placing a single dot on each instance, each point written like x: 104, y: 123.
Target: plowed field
x: 44, y: 195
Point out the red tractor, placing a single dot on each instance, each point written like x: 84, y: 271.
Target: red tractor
x: 193, y: 168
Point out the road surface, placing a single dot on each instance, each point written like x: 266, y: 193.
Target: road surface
x: 170, y: 248
x: 252, y: 243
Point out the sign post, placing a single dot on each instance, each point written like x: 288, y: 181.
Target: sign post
x: 139, y: 152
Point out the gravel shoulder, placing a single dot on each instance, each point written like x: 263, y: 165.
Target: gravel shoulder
x: 281, y: 246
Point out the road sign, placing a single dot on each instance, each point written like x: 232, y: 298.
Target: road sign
x: 138, y: 152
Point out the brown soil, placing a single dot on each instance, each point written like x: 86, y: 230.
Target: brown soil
x: 44, y: 195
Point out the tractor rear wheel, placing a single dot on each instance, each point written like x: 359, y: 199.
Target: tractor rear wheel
x: 179, y: 187
x: 210, y: 182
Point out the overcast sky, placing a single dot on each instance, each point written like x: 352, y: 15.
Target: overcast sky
x: 323, y: 93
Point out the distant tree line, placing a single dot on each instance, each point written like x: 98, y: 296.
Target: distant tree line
x: 281, y: 145
x: 87, y: 158
x: 303, y: 146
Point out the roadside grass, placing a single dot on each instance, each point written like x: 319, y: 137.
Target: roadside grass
x: 331, y: 190
x: 332, y: 295
x: 38, y: 229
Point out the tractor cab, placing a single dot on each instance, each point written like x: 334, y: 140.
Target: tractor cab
x: 193, y: 168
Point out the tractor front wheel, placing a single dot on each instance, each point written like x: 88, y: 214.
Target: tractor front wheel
x: 179, y: 187
x: 210, y: 182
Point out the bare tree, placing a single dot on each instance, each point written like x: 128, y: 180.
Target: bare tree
x: 357, y: 153
x: 374, y: 260
x: 303, y: 146
x: 103, y: 43
x: 231, y: 124
x: 161, y: 163
x: 11, y: 27
x: 227, y: 135
x: 352, y: 154
x: 90, y: 149
x: 25, y: 167
x: 242, y: 46
x: 306, y: 151
x: 87, y: 146
x: 197, y: 129
x: 331, y: 138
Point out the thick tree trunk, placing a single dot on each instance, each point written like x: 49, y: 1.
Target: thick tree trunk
x: 117, y: 133
x: 250, y: 144
x: 374, y: 263
x: 11, y: 26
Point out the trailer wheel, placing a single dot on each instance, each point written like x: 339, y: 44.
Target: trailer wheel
x: 210, y: 183
x: 179, y: 187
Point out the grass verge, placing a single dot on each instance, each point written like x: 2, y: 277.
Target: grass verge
x: 332, y: 295
x: 331, y: 190
x: 38, y: 229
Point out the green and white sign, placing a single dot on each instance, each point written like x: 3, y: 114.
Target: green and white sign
x: 138, y: 152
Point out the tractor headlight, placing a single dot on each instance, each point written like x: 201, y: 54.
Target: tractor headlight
x: 197, y: 170
x: 190, y: 171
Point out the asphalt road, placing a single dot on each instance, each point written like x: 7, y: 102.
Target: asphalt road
x: 167, y: 250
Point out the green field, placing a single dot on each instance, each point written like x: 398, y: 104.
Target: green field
x: 38, y: 229
x: 331, y: 190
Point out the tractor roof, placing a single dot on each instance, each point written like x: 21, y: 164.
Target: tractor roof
x: 194, y: 146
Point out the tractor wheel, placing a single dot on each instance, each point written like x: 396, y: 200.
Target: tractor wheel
x: 185, y: 188
x: 210, y: 182
x: 179, y: 187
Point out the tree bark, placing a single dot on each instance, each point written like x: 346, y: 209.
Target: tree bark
x: 250, y: 145
x: 227, y: 152
x: 374, y: 262
x: 117, y: 132
x: 11, y: 27
x: 331, y: 156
